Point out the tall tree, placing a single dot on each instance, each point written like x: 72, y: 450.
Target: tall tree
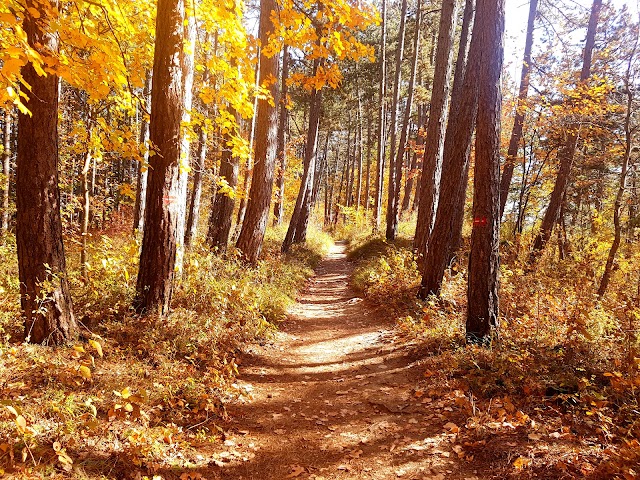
x: 143, y: 172
x: 392, y: 200
x: 297, y: 230
x: 6, y: 170
x: 222, y: 209
x: 518, y: 122
x: 278, y: 209
x: 484, y: 262
x: 196, y: 193
x: 567, y: 151
x: 629, y: 91
x: 382, y: 91
x: 188, y: 69
x: 455, y: 163
x: 158, y: 255
x: 265, y: 145
x: 432, y: 160
x: 44, y: 289
x: 400, y: 154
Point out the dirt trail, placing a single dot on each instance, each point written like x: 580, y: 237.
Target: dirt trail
x: 333, y: 398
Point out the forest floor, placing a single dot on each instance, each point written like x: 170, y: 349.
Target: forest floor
x: 334, y: 397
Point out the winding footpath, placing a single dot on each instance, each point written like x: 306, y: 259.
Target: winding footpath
x: 333, y: 397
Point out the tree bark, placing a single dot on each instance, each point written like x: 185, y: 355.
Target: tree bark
x: 188, y: 69
x: 6, y: 170
x: 257, y: 214
x: 393, y: 214
x: 44, y: 289
x: 434, y: 143
x: 278, y: 209
x: 484, y: 261
x: 377, y: 213
x: 86, y: 198
x: 455, y: 164
x: 141, y: 187
x: 158, y: 255
x: 359, y: 149
x: 297, y: 232
x: 392, y: 200
x: 622, y: 185
x: 224, y: 202
x: 196, y: 194
x: 567, y: 152
x: 518, y: 122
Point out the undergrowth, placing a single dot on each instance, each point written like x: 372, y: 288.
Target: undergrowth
x: 134, y: 395
x: 564, y: 356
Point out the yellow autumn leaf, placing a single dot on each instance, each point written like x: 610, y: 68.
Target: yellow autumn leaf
x: 96, y: 346
x: 85, y: 372
x: 521, y: 462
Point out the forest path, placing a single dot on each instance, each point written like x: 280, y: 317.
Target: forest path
x: 334, y: 397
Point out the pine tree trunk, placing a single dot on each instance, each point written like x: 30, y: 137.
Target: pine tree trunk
x: 158, y: 255
x: 413, y: 166
x: 393, y: 215
x: 393, y: 188
x: 484, y: 261
x: 622, y: 185
x: 278, y: 209
x: 434, y: 144
x: 141, y: 188
x: 188, y: 68
x: 86, y: 199
x: 6, y: 171
x: 266, y: 142
x: 382, y: 90
x: 223, y: 204
x: 518, y: 123
x: 196, y: 194
x: 359, y: 141
x: 455, y: 164
x: 44, y: 289
x: 297, y: 232
x: 567, y: 152
x: 367, y: 174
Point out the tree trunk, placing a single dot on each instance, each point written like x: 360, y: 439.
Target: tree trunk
x: 617, y: 207
x: 393, y: 212
x: 224, y: 202
x: 359, y: 142
x: 44, y: 289
x: 266, y: 142
x: 377, y: 212
x: 141, y: 188
x: 86, y: 199
x: 188, y: 68
x: 484, y: 261
x: 413, y: 167
x: 297, y: 232
x: 158, y: 255
x: 518, y: 123
x: 393, y: 188
x: 367, y: 178
x: 196, y: 194
x: 455, y: 164
x: 567, y: 152
x: 434, y: 143
x: 278, y: 209
x: 6, y: 170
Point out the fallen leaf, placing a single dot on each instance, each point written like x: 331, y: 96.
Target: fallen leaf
x: 451, y: 427
x: 534, y: 436
x: 296, y: 471
x: 522, y: 462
